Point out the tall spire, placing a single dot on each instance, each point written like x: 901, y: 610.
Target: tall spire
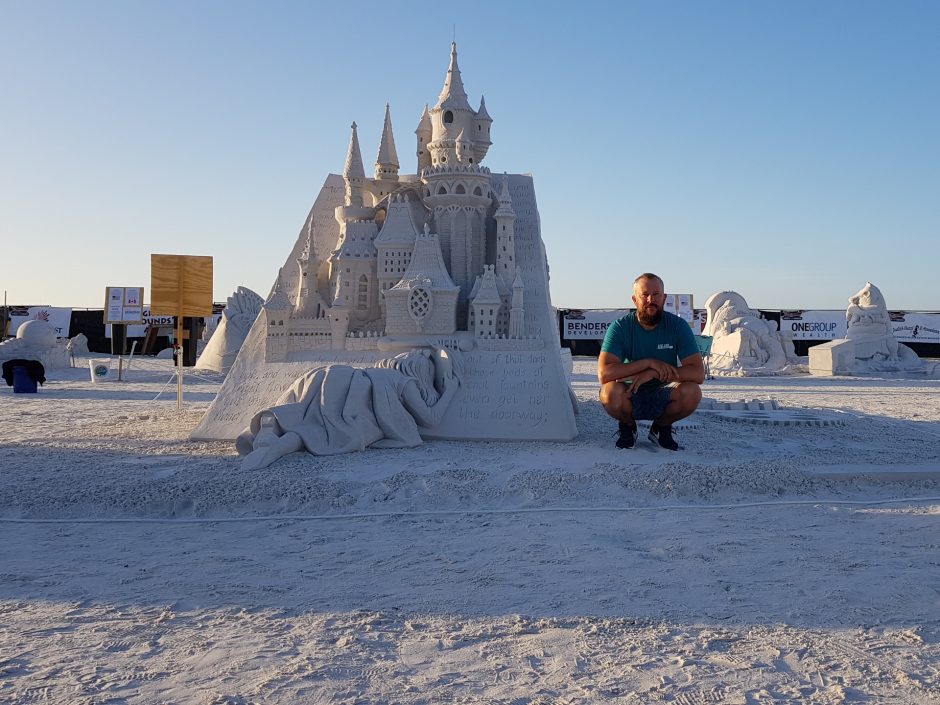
x: 386, y: 163
x: 453, y: 94
x: 354, y: 168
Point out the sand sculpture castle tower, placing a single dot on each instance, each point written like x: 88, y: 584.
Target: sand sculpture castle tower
x: 448, y: 256
x: 414, y: 252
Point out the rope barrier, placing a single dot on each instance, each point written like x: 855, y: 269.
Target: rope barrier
x: 483, y: 512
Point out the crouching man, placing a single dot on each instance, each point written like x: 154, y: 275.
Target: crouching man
x: 650, y: 367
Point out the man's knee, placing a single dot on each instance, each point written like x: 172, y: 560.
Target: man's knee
x: 690, y: 395
x: 614, y: 399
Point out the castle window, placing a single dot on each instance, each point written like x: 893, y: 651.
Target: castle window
x: 471, y: 160
x: 442, y: 191
x: 448, y: 117
x: 477, y: 191
x: 363, y: 302
x: 461, y: 189
x: 419, y: 304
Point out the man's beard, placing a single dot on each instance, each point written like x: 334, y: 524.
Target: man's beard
x: 649, y: 319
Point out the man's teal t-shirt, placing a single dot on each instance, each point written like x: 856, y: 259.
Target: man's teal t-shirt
x: 671, y: 340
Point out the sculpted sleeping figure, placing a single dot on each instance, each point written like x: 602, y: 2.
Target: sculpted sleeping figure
x: 341, y: 409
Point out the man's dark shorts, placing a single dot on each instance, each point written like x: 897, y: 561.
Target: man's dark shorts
x: 650, y: 403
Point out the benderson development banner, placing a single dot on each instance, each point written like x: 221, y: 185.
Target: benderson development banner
x: 822, y: 325
x: 909, y: 326
x: 591, y: 324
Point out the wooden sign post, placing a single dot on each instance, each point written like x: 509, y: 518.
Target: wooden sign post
x: 180, y: 285
x: 122, y: 305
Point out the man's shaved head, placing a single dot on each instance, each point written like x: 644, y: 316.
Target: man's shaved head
x: 649, y: 275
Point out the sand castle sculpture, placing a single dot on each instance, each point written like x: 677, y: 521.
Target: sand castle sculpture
x: 450, y: 257
x: 743, y: 343
x: 241, y: 310
x: 36, y: 340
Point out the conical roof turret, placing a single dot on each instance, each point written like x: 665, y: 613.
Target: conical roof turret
x: 453, y: 95
x: 504, y: 199
x: 481, y: 113
x: 487, y: 293
x: 354, y: 168
x: 278, y: 300
x: 388, y: 157
x: 424, y: 125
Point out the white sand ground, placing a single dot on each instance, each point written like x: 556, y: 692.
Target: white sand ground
x: 137, y: 566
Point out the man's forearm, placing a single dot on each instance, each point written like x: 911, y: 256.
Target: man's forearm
x: 691, y: 373
x: 622, y: 370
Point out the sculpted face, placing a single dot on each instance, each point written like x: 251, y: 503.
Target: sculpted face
x: 649, y: 299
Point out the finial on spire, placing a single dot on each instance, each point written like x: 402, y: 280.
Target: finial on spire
x: 354, y: 168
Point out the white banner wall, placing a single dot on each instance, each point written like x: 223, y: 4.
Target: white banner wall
x: 916, y: 327
x: 58, y: 318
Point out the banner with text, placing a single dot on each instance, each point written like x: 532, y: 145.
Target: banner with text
x: 58, y: 318
x: 912, y: 327
x: 591, y: 324
x: 908, y: 326
x: 812, y: 325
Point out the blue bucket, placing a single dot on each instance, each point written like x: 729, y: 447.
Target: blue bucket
x: 23, y: 382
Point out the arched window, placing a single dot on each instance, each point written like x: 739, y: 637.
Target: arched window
x: 460, y: 189
x: 448, y: 117
x: 442, y: 191
x: 477, y: 191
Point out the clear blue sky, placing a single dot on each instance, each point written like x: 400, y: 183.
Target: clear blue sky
x: 787, y: 150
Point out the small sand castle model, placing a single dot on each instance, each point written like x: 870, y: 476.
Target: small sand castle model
x: 449, y: 257
x: 743, y: 343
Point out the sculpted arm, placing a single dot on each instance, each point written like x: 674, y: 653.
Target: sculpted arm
x: 429, y: 416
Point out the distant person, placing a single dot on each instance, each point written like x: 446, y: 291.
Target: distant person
x: 650, y: 367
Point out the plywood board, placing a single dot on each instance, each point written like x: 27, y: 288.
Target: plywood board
x: 180, y: 285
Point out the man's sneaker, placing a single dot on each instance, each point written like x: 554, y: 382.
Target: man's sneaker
x: 626, y: 435
x: 663, y: 436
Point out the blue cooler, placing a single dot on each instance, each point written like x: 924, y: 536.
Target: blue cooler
x: 23, y: 382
